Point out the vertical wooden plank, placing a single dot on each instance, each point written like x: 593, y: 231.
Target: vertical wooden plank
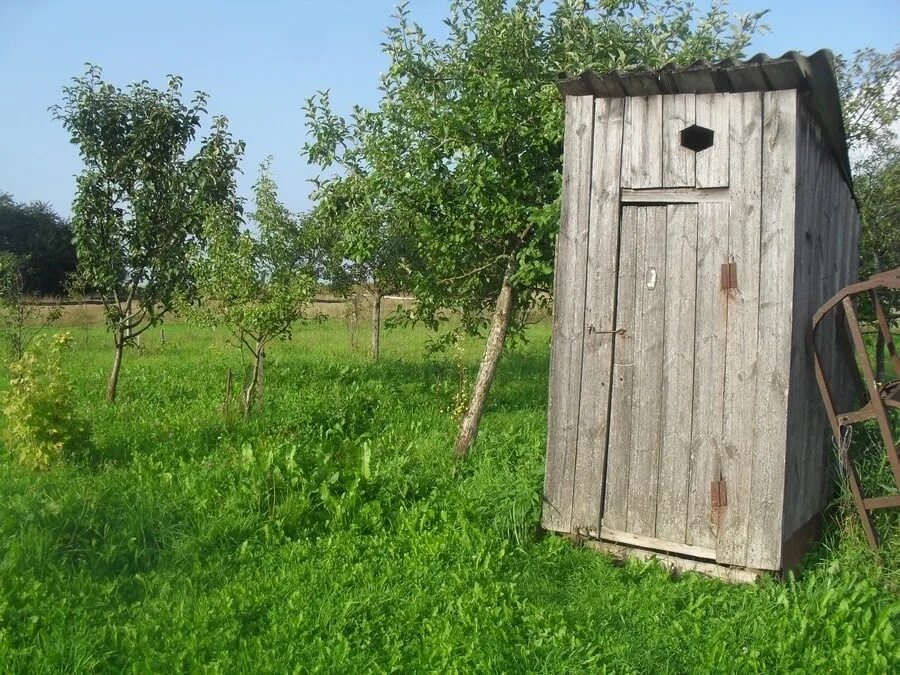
x: 825, y: 216
x: 739, y: 415
x: 642, y: 149
x: 810, y: 236
x: 776, y: 291
x: 602, y: 268
x: 823, y: 225
x: 712, y: 112
x: 678, y: 372
x: 709, y: 372
x: 618, y: 454
x: 568, y: 315
x: 678, y: 161
x: 650, y: 322
x: 849, y: 239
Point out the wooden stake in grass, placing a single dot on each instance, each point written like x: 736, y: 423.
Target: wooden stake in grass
x: 468, y: 430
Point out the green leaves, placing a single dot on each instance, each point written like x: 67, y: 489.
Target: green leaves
x: 39, y: 407
x: 465, y: 146
x: 257, y: 285
x: 870, y: 100
x: 141, y: 201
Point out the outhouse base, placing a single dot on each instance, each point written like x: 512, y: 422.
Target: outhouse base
x: 740, y: 575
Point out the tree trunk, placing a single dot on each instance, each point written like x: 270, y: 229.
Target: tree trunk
x: 251, y: 390
x: 880, y: 374
x: 113, y: 384
x: 376, y: 325
x: 261, y: 377
x: 468, y: 430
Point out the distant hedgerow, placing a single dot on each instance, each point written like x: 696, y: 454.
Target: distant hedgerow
x: 41, y: 423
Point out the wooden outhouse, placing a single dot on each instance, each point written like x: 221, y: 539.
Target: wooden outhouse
x: 707, y: 212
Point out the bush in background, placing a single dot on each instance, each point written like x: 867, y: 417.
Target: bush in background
x: 41, y: 423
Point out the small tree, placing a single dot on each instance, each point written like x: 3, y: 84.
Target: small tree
x: 870, y: 97
x: 878, y: 191
x: 370, y: 234
x: 257, y: 286
x: 20, y: 321
x: 41, y: 421
x: 466, y: 144
x: 141, y: 199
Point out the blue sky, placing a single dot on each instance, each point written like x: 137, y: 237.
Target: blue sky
x: 259, y: 61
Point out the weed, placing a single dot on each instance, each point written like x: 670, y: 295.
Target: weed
x: 41, y: 423
x: 335, y: 532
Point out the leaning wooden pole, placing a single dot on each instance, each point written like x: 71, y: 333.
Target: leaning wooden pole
x: 468, y: 430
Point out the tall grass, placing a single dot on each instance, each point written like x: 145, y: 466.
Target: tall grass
x: 335, y: 532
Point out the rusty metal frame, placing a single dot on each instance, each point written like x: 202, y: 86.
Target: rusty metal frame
x: 879, y: 397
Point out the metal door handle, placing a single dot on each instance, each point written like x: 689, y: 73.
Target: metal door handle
x: 617, y: 331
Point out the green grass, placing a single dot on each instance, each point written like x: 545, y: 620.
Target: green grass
x: 335, y: 532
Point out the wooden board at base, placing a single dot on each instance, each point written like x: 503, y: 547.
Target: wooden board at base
x: 733, y: 575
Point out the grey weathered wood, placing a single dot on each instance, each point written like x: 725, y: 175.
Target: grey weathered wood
x: 568, y: 320
x: 602, y: 265
x: 654, y: 543
x: 709, y: 373
x: 742, y: 328
x: 705, y: 383
x: 673, y: 195
x: 776, y: 289
x: 811, y: 240
x: 678, y: 372
x: 825, y: 221
x: 615, y: 503
x: 817, y: 263
x: 712, y: 112
x: 649, y: 322
x: 678, y: 161
x: 677, y: 563
x: 642, y: 145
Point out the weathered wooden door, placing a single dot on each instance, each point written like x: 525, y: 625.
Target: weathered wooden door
x: 670, y: 328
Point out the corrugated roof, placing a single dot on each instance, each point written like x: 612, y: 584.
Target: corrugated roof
x: 811, y: 74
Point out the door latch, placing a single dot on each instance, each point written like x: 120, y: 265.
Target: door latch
x: 617, y: 331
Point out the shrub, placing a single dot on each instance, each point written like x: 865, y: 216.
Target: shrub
x: 41, y: 423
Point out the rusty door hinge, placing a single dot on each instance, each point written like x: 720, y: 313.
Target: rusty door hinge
x: 718, y: 494
x: 729, y: 276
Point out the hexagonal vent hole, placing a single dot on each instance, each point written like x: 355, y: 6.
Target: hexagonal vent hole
x: 697, y: 138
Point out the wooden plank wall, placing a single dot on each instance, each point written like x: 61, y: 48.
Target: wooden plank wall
x: 793, y: 231
x: 642, y: 156
x: 649, y: 352
x: 568, y: 315
x: 678, y: 367
x: 618, y: 465
x: 776, y: 289
x: 826, y: 240
x: 742, y: 314
x: 599, y: 317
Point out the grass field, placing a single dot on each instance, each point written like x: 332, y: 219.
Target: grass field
x: 335, y: 532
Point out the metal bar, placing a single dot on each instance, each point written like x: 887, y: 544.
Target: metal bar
x: 875, y: 400
x: 858, y: 501
x: 879, y: 396
x: 881, y: 502
x: 886, y: 331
